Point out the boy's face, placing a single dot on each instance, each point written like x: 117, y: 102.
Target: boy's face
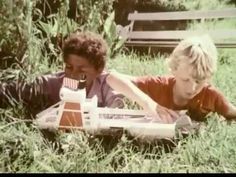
x: 75, y: 66
x: 188, y: 86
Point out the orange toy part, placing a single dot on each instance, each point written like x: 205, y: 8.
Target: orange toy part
x: 71, y: 118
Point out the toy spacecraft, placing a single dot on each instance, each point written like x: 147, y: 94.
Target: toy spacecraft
x: 77, y: 112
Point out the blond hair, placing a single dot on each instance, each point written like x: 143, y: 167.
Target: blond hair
x: 198, y: 51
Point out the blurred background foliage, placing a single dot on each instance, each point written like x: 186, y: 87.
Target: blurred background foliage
x: 25, y: 24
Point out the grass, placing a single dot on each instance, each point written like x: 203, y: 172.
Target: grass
x: 23, y: 148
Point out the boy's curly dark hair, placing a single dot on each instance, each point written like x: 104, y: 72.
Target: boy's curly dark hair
x: 88, y: 45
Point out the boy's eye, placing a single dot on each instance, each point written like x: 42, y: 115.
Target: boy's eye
x: 199, y: 81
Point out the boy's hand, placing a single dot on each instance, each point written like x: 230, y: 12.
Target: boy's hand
x: 161, y: 114
x: 166, y: 115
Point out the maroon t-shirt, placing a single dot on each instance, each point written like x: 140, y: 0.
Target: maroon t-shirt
x: 160, y: 89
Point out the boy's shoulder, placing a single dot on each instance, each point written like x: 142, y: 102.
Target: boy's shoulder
x: 101, y: 78
x: 210, y: 88
x: 164, y: 80
x: 51, y: 78
x: 55, y: 75
x: 212, y: 91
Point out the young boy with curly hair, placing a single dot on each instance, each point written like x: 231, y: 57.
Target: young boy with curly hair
x: 192, y: 64
x: 84, y: 53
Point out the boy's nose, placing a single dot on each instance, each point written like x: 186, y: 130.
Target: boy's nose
x: 75, y: 73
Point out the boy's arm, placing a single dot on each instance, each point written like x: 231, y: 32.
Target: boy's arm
x: 33, y: 95
x: 124, y: 84
x: 231, y: 113
x: 111, y: 98
x: 222, y: 105
x: 8, y: 94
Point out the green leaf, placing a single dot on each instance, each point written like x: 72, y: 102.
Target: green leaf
x: 109, y: 26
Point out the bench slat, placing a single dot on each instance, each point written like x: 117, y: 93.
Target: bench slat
x: 172, y: 44
x: 183, y: 15
x: 181, y: 34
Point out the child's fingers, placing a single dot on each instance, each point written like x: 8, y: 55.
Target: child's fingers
x: 167, y: 117
x: 173, y: 114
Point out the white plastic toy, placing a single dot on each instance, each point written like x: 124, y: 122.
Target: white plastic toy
x: 75, y: 111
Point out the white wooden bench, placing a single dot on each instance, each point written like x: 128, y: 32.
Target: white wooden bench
x: 223, y: 38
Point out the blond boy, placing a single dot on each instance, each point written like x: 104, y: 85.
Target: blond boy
x: 192, y: 64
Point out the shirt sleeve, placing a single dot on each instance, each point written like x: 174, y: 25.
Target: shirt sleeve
x: 153, y: 86
x: 34, y: 95
x: 215, y: 101
x: 142, y: 83
x: 221, y: 104
x: 111, y: 98
x: 114, y: 99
